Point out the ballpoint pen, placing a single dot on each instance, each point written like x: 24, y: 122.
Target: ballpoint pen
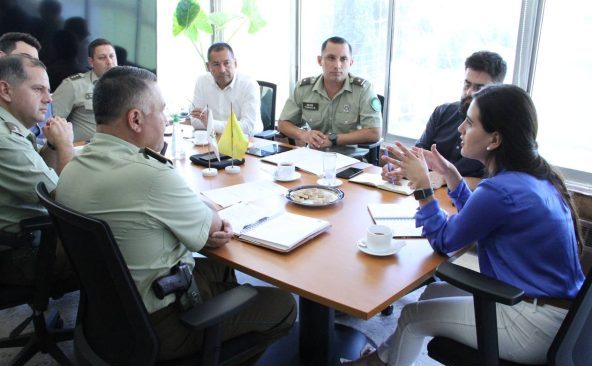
x: 388, y: 167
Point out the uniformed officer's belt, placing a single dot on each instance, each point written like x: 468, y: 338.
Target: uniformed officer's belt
x: 541, y: 301
x: 16, y: 240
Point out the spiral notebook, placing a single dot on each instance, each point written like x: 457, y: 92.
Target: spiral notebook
x: 375, y: 180
x: 399, y: 218
x: 281, y: 231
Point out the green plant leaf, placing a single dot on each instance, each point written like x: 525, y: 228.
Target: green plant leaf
x: 219, y: 19
x: 186, y: 12
x: 177, y: 29
x: 255, y: 24
x: 202, y: 23
x: 251, y: 11
x: 192, y: 32
x: 249, y: 8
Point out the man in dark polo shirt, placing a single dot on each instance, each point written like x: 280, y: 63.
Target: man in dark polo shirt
x: 481, y: 68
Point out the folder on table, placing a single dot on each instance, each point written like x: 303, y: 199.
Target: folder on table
x: 281, y: 231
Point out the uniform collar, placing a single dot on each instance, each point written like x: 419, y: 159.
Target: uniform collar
x: 93, y: 77
x: 100, y: 138
x: 319, y: 87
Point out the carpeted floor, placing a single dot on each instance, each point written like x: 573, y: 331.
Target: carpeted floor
x: 377, y: 328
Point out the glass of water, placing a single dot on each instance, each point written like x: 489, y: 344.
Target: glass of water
x: 329, y: 168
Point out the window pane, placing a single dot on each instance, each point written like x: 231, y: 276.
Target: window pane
x: 431, y: 40
x: 561, y: 89
x: 265, y: 55
x: 363, y: 23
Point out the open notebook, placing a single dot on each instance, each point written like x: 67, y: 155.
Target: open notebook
x: 398, y: 217
x: 281, y: 231
x: 375, y: 180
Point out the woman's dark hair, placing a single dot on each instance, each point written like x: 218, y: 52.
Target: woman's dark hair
x: 509, y: 111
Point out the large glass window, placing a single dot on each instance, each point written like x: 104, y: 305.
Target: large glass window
x: 364, y: 23
x: 561, y: 89
x: 431, y: 41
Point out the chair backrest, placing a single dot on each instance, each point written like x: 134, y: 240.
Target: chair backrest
x: 571, y: 345
x: 268, y: 98
x: 113, y: 317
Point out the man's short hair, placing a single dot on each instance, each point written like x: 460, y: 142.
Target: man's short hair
x: 220, y: 46
x: 338, y: 40
x: 96, y: 43
x: 8, y: 41
x: 12, y: 68
x: 489, y: 62
x: 119, y: 90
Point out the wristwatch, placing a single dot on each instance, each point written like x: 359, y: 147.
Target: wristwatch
x: 333, y: 138
x: 421, y: 194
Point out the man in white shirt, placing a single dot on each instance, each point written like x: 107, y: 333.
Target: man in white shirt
x: 223, y: 87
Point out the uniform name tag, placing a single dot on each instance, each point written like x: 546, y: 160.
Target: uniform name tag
x: 310, y: 106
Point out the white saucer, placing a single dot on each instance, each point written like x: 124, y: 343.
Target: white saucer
x: 336, y: 182
x: 200, y: 142
x: 295, y: 176
x: 396, y: 245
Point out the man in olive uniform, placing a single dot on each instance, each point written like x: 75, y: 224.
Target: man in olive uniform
x: 73, y: 98
x: 24, y: 99
x: 334, y: 108
x: 16, y: 43
x: 155, y: 216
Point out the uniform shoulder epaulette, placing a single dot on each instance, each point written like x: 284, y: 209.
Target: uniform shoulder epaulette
x: 76, y: 76
x: 149, y: 153
x: 307, y: 81
x: 13, y: 128
x: 358, y: 81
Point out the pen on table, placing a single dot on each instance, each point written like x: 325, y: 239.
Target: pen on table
x: 388, y: 167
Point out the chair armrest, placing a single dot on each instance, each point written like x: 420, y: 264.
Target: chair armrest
x: 371, y: 145
x: 479, y: 284
x: 267, y: 134
x: 218, y: 308
x: 36, y: 223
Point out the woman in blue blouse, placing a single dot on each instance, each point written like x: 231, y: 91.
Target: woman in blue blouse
x: 522, y: 219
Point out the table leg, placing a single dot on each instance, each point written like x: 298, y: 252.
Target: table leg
x: 316, y: 331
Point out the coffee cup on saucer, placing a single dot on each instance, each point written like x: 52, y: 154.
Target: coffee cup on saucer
x: 378, y: 238
x: 285, y: 170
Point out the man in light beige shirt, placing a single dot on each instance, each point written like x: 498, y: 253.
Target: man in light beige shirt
x: 154, y: 215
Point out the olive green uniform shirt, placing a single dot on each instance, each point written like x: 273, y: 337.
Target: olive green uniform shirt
x: 157, y: 220
x: 354, y: 107
x: 21, y: 168
x: 72, y: 100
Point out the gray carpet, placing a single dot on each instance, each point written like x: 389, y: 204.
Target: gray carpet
x: 377, y: 328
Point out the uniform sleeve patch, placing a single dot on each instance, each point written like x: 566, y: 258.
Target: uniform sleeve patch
x: 375, y: 104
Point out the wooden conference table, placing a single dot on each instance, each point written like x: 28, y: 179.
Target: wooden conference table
x: 329, y: 272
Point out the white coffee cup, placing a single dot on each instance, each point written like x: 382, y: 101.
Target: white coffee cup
x: 285, y: 170
x: 378, y: 238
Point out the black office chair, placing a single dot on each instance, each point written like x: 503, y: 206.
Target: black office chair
x: 268, y: 99
x: 45, y: 334
x: 571, y: 345
x: 113, y: 326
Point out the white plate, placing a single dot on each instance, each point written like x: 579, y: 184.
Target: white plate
x: 396, y: 245
x: 289, y: 179
x: 323, y: 182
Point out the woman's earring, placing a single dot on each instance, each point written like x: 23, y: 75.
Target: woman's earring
x: 487, y: 148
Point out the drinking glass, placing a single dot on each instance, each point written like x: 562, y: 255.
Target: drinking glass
x: 329, y: 168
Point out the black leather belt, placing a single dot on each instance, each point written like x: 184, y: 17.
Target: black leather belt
x: 559, y: 303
